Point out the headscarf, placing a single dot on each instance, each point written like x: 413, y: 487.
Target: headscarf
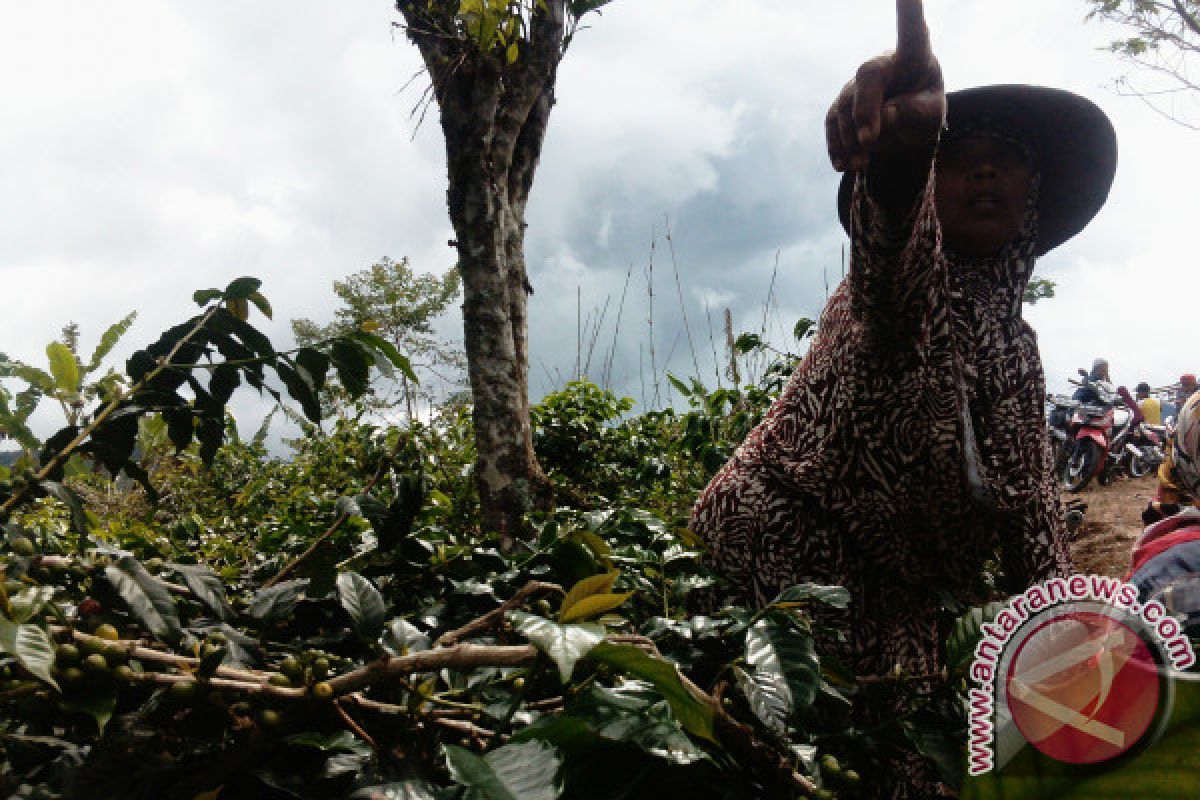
x: 1185, y: 449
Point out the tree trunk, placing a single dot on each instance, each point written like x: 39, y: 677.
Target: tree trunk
x: 494, y: 116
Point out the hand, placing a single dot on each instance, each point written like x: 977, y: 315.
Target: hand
x: 895, y: 103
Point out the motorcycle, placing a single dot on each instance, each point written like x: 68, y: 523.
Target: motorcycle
x: 1098, y: 426
x: 1144, y: 450
x: 1058, y: 417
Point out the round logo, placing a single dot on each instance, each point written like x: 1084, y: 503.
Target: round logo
x: 1083, y: 687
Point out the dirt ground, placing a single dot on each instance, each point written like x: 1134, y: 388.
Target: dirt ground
x: 1111, y: 524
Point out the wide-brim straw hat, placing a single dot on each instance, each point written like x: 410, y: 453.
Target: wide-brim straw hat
x: 1075, y: 145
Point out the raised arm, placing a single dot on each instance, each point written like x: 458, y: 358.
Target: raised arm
x: 885, y: 121
x: 883, y: 128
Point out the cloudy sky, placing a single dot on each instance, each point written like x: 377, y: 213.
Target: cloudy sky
x: 152, y: 148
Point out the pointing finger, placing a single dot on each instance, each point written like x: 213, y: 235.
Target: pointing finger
x: 912, y: 34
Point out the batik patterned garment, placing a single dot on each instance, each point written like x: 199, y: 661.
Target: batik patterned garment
x: 908, y: 448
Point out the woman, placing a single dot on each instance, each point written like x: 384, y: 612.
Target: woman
x: 909, y: 446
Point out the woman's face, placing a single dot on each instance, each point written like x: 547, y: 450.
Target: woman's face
x: 983, y: 186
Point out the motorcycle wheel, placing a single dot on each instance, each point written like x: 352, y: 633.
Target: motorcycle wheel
x: 1077, y: 474
x: 1139, y: 467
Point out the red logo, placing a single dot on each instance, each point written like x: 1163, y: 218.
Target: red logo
x: 1083, y: 688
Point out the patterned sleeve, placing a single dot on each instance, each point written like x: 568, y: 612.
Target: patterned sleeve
x: 897, y: 275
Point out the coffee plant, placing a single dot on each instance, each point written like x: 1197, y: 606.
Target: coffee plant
x: 184, y: 616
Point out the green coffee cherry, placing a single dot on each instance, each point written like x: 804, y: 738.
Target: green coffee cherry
x: 66, y: 654
x: 269, y: 718
x: 106, y: 631
x: 22, y: 546
x: 292, y: 668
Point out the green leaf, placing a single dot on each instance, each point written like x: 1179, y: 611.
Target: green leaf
x: 694, y: 714
x: 260, y: 302
x: 593, y: 606
x: 272, y: 605
x: 203, y: 297
x: 241, y: 288
x: 63, y: 367
x: 768, y: 697
x: 68, y: 497
x: 802, y: 593
x: 109, y: 340
x: 146, y: 597
x: 564, y: 644
x: 747, y: 342
x: 412, y: 789
x: 785, y: 659
x: 208, y: 588
x: 596, y: 584
x: 300, y: 389
x: 31, y: 375
x: 965, y: 634
x: 28, y: 602
x: 679, y: 385
x: 363, y: 603
x: 389, y: 351
x: 523, y: 771
x: 337, y: 742
x: 948, y: 751
x: 30, y: 646
x: 99, y: 705
x: 401, y: 637
x: 353, y: 366
x: 635, y: 712
x: 581, y: 7
x: 315, y: 363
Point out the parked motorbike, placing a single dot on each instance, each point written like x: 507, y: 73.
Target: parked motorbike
x: 1144, y: 450
x: 1060, y: 408
x: 1098, y: 426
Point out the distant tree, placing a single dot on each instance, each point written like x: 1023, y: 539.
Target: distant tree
x: 1164, y: 45
x: 390, y: 300
x: 493, y: 65
x: 1039, y: 289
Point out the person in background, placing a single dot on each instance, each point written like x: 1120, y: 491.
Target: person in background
x: 1177, y: 474
x: 1165, y: 563
x: 1187, y: 388
x: 1099, y: 389
x: 1150, y: 407
x: 1134, y: 408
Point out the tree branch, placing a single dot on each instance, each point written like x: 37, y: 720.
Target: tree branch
x: 460, y: 657
x: 1188, y: 18
x: 495, y: 617
x: 295, y: 563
